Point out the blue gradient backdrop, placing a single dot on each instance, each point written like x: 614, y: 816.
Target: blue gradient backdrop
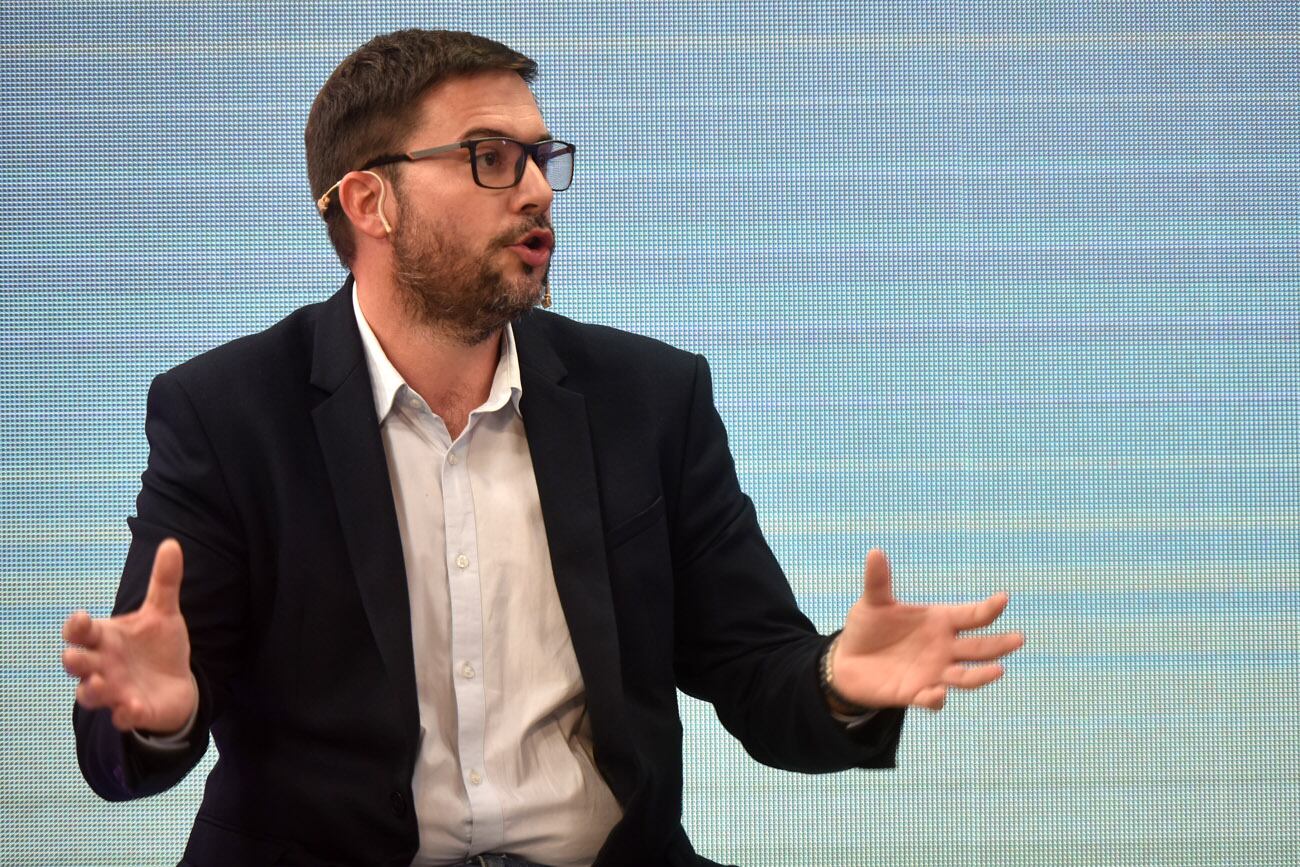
x: 1011, y: 289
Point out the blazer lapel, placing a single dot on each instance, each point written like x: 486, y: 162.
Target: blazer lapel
x: 348, y: 431
x: 555, y: 420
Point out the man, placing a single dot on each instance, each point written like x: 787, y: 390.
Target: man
x: 447, y: 558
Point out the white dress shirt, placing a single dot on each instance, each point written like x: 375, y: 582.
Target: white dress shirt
x: 505, y: 761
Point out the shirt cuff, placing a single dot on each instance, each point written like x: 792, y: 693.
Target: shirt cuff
x: 178, y: 741
x: 853, y: 721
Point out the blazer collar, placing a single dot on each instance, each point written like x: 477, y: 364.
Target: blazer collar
x: 338, y: 349
x: 536, y: 350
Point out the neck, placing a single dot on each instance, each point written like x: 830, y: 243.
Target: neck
x: 453, y: 377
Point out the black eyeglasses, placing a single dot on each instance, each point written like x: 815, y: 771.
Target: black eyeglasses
x: 498, y: 163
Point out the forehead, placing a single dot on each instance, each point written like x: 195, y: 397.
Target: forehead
x: 499, y: 101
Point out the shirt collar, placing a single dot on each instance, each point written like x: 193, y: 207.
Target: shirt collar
x: 387, y: 384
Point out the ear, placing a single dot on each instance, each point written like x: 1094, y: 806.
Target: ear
x: 363, y: 197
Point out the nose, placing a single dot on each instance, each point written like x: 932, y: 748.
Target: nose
x: 533, y: 192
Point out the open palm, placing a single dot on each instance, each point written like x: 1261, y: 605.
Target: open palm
x: 896, y: 655
x: 137, y: 664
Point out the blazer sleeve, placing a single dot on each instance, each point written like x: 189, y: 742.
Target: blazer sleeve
x: 742, y: 642
x: 183, y: 496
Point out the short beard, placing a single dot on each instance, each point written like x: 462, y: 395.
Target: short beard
x: 453, y: 293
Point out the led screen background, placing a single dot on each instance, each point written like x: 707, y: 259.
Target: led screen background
x: 1010, y: 289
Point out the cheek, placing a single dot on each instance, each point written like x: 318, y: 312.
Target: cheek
x: 459, y: 227
x: 435, y: 236
x: 455, y: 228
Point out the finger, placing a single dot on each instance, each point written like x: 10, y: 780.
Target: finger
x: 81, y: 628
x: 878, y: 584
x: 932, y: 697
x: 165, y: 581
x: 977, y: 615
x: 972, y: 677
x: 79, y: 662
x: 981, y: 648
x: 93, y: 692
x: 128, y: 716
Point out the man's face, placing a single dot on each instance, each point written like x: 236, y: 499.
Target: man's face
x: 458, y: 262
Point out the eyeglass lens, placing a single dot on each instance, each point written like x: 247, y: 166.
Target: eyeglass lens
x: 500, y: 163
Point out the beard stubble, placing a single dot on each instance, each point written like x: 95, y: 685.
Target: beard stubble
x: 457, y: 292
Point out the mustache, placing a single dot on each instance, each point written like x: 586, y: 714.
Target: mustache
x: 507, y: 238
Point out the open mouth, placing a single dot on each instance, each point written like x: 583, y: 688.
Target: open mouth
x: 538, y: 239
x: 535, y: 247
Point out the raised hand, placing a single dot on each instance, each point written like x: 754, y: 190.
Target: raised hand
x: 896, y: 655
x: 137, y: 664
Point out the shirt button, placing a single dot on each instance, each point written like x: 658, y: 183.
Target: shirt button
x: 467, y: 670
x: 453, y: 460
x: 474, y: 778
x: 462, y: 561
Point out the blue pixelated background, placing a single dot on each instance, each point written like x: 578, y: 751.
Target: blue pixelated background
x: 1010, y: 289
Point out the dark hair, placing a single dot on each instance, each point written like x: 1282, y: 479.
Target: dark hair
x: 367, y: 106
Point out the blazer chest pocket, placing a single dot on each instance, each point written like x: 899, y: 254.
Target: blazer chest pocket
x: 639, y: 522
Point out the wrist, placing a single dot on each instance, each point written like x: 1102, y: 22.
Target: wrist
x: 179, y: 737
x: 836, y: 702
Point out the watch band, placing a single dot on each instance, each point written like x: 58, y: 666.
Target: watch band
x: 827, y: 678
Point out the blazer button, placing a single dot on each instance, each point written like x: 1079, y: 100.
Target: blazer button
x: 398, y: 802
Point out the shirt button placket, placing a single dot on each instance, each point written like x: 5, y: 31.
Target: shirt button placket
x: 463, y: 579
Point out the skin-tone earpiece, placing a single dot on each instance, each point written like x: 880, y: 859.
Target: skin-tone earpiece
x: 382, y: 189
x: 323, y: 203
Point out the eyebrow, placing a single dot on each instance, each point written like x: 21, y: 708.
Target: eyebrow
x: 492, y: 132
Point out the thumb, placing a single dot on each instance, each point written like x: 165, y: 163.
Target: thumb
x: 879, y: 586
x: 165, y: 581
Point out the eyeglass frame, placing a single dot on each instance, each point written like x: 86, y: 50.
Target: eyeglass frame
x: 530, y: 150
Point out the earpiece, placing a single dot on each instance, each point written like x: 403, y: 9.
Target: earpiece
x: 382, y: 190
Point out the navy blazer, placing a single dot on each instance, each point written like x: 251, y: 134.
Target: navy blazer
x: 266, y: 462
